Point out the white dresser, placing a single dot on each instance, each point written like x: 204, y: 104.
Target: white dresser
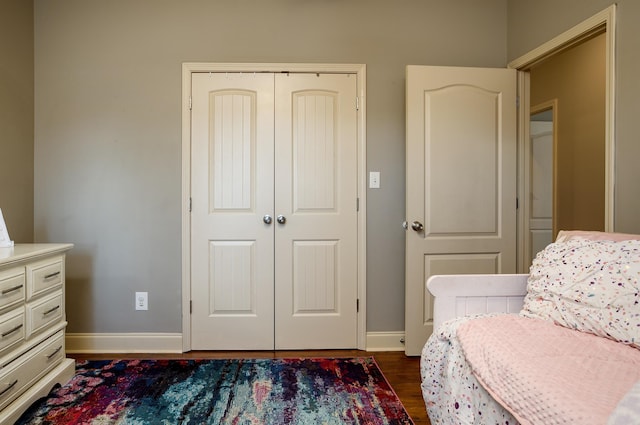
x: 32, y: 325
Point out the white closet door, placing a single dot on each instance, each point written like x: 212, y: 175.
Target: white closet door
x: 316, y: 193
x: 232, y: 190
x: 289, y: 282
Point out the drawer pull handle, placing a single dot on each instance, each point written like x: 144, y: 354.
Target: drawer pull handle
x: 10, y: 331
x: 51, y: 310
x: 12, y: 289
x: 56, y: 351
x: 50, y: 275
x: 11, y: 385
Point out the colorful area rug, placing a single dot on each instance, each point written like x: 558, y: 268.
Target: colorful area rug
x: 262, y: 391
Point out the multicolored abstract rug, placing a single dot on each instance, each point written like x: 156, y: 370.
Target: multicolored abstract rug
x: 256, y: 391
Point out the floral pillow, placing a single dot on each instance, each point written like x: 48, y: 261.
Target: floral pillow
x: 591, y: 286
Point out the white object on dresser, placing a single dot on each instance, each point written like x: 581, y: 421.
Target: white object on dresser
x: 32, y: 325
x: 5, y: 241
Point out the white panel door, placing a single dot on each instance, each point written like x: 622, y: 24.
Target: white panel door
x: 540, y: 215
x: 461, y: 181
x: 232, y: 190
x: 316, y: 193
x: 282, y: 146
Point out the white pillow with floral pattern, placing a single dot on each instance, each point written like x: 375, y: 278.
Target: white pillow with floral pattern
x: 590, y: 286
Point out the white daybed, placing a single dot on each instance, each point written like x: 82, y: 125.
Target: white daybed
x: 565, y: 354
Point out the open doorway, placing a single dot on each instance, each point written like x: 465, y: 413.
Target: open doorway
x: 575, y: 79
x: 576, y: 71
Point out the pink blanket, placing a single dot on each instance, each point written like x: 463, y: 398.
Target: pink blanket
x: 544, y: 373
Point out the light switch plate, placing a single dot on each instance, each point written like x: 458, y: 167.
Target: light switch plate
x: 374, y: 180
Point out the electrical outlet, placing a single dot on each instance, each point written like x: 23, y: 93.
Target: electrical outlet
x: 142, y: 301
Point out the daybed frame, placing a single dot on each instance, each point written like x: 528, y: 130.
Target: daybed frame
x: 468, y: 294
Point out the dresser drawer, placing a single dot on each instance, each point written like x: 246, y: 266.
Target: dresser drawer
x: 18, y: 375
x: 44, y: 312
x: 44, y: 275
x: 12, y: 287
x: 12, y: 328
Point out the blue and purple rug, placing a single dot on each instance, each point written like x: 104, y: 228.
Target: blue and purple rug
x: 262, y: 391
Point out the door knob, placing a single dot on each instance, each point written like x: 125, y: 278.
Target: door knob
x: 281, y: 219
x: 417, y: 226
x: 267, y: 219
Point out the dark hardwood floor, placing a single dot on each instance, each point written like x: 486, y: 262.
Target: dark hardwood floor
x: 402, y: 372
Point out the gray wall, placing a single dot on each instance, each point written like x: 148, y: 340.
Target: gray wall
x: 532, y: 23
x: 16, y: 118
x: 108, y: 127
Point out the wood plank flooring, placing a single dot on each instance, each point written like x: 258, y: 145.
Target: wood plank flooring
x: 402, y: 372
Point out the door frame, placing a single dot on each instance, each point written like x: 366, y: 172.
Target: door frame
x: 359, y: 70
x: 604, y: 21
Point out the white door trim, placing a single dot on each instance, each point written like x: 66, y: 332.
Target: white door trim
x: 604, y: 21
x: 193, y: 67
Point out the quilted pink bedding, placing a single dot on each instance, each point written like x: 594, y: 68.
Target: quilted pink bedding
x: 523, y: 364
x: 452, y: 394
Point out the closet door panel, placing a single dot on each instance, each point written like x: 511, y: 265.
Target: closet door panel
x: 232, y: 190
x: 316, y: 193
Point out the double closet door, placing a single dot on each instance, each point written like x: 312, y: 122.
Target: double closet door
x: 274, y: 211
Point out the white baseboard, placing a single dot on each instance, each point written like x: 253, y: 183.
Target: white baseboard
x: 172, y: 343
x: 385, y: 341
x: 123, y: 343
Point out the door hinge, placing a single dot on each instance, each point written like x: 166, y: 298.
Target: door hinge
x: 357, y: 103
x: 517, y: 203
x: 357, y: 305
x: 517, y: 101
x: 357, y: 204
x: 190, y: 103
x: 190, y: 307
x: 190, y: 204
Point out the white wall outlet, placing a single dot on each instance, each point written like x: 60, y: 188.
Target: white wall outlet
x: 142, y: 301
x: 374, y: 180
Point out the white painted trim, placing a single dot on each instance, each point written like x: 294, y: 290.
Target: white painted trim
x: 192, y: 67
x: 604, y: 20
x: 523, y: 200
x: 362, y: 213
x: 186, y: 203
x: 385, y: 341
x: 123, y: 343
x: 346, y: 68
x: 610, y: 124
x: 172, y: 343
x: 566, y: 39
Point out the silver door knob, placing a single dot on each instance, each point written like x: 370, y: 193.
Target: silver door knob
x: 281, y: 219
x: 267, y: 219
x: 417, y: 226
